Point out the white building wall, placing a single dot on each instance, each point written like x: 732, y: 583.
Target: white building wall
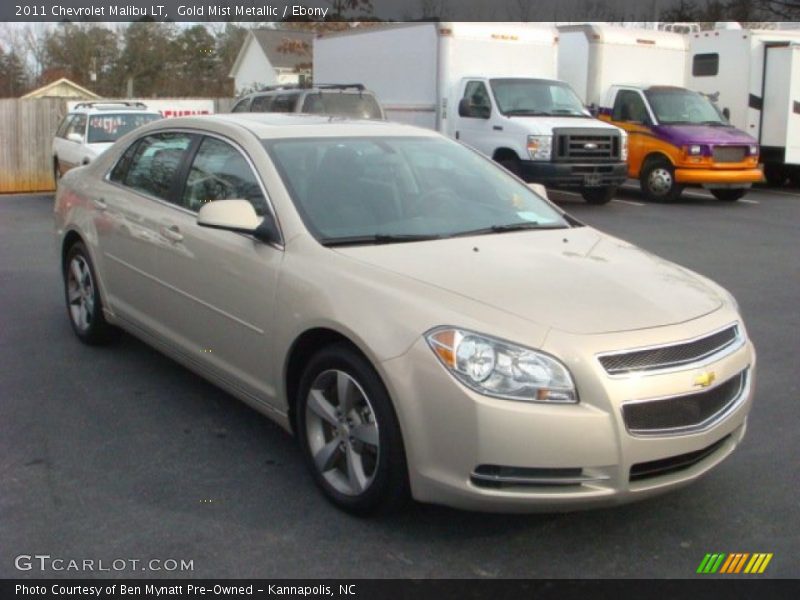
x: 254, y: 70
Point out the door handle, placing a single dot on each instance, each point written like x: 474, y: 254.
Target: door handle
x: 458, y: 134
x: 171, y: 232
x: 100, y: 203
x: 497, y: 127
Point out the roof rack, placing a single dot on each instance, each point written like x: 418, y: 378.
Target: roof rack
x: 111, y: 104
x: 340, y: 86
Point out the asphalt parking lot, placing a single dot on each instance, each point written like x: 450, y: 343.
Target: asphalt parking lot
x: 121, y: 453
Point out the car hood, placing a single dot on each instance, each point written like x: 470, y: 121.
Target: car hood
x: 576, y: 280
x: 545, y: 125
x: 683, y: 135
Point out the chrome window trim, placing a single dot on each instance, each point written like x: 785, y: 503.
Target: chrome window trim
x: 700, y: 361
x: 723, y: 413
x: 280, y: 244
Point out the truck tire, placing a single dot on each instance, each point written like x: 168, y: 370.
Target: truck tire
x: 728, y: 195
x: 511, y: 165
x: 658, y: 181
x: 775, y: 174
x: 598, y: 195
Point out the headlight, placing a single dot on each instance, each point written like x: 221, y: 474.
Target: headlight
x: 500, y: 369
x: 694, y: 150
x: 540, y: 147
x: 623, y: 154
x: 754, y: 150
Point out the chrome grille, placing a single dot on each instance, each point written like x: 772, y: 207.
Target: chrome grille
x: 586, y: 145
x: 681, y: 413
x: 665, y: 357
x: 729, y: 154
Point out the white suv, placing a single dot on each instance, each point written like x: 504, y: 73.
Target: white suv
x: 90, y: 128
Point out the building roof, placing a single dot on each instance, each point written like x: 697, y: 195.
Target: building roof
x: 62, y: 88
x: 270, y: 40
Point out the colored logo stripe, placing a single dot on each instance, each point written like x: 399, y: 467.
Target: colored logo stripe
x: 734, y: 563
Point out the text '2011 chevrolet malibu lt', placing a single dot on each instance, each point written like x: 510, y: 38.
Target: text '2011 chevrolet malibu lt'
x: 426, y: 324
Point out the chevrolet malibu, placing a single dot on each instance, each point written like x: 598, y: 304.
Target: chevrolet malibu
x: 426, y: 324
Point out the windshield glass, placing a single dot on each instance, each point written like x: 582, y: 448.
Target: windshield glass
x: 536, y: 97
x: 380, y: 190
x: 685, y: 107
x: 110, y: 127
x: 359, y: 106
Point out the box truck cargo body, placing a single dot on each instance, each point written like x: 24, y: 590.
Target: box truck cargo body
x: 677, y: 137
x: 755, y: 77
x: 490, y: 85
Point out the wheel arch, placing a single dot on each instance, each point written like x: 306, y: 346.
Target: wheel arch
x: 653, y: 156
x: 505, y: 153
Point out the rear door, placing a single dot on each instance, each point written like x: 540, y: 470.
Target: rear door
x: 217, y: 288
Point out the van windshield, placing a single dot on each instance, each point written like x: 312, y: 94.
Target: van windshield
x: 338, y: 104
x: 364, y: 190
x: 108, y: 128
x: 677, y: 106
x: 536, y: 97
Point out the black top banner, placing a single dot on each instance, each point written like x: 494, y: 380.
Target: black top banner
x: 397, y: 10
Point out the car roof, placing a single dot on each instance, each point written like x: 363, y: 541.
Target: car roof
x: 295, y: 125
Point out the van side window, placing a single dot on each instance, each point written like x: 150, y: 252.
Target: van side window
x: 242, y: 106
x: 478, y: 96
x: 629, y: 106
x: 705, y: 65
x: 261, y: 104
x: 284, y: 103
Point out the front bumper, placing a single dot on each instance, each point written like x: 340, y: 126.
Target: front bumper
x: 727, y: 178
x: 451, y: 433
x: 566, y: 174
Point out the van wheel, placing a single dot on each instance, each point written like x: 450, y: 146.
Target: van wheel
x: 658, y: 181
x: 84, y: 306
x: 349, y: 433
x: 598, y: 195
x: 728, y: 195
x: 775, y: 174
x: 511, y: 165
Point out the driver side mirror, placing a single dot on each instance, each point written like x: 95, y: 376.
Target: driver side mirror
x: 75, y: 137
x: 238, y: 216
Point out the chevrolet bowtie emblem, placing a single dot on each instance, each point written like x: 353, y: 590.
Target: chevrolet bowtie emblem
x: 705, y: 379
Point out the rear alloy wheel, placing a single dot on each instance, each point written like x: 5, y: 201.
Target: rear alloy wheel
x: 728, y: 195
x: 349, y: 433
x: 84, y: 305
x: 598, y: 195
x: 658, y: 181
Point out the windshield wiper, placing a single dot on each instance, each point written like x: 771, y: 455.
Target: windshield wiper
x: 510, y: 227
x: 377, y: 238
x: 523, y: 112
x: 715, y: 123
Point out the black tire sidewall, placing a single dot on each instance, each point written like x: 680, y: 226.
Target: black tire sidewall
x: 389, y: 489
x: 598, y: 196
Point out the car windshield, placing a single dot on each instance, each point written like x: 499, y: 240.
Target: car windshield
x: 394, y: 189
x: 359, y: 106
x: 536, y: 97
x: 683, y: 107
x: 108, y: 128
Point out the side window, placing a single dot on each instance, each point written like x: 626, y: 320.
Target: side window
x: 220, y: 172
x: 242, y: 106
x: 478, y: 97
x: 705, y: 65
x: 62, y: 129
x: 120, y: 169
x: 284, y: 103
x: 261, y: 104
x: 155, y: 162
x: 629, y: 106
x: 77, y: 125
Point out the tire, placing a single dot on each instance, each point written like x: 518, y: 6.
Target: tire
x: 658, y: 181
x: 598, y: 195
x: 82, y: 296
x: 728, y: 195
x: 511, y: 165
x: 56, y: 171
x: 355, y: 453
x: 775, y: 174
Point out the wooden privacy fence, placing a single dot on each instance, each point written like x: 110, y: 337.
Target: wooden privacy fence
x: 27, y: 128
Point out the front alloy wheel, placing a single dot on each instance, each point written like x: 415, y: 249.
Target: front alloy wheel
x: 83, y: 298
x: 349, y: 433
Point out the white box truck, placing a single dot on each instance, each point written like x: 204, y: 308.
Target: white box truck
x: 489, y: 85
x: 677, y: 137
x: 755, y: 76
